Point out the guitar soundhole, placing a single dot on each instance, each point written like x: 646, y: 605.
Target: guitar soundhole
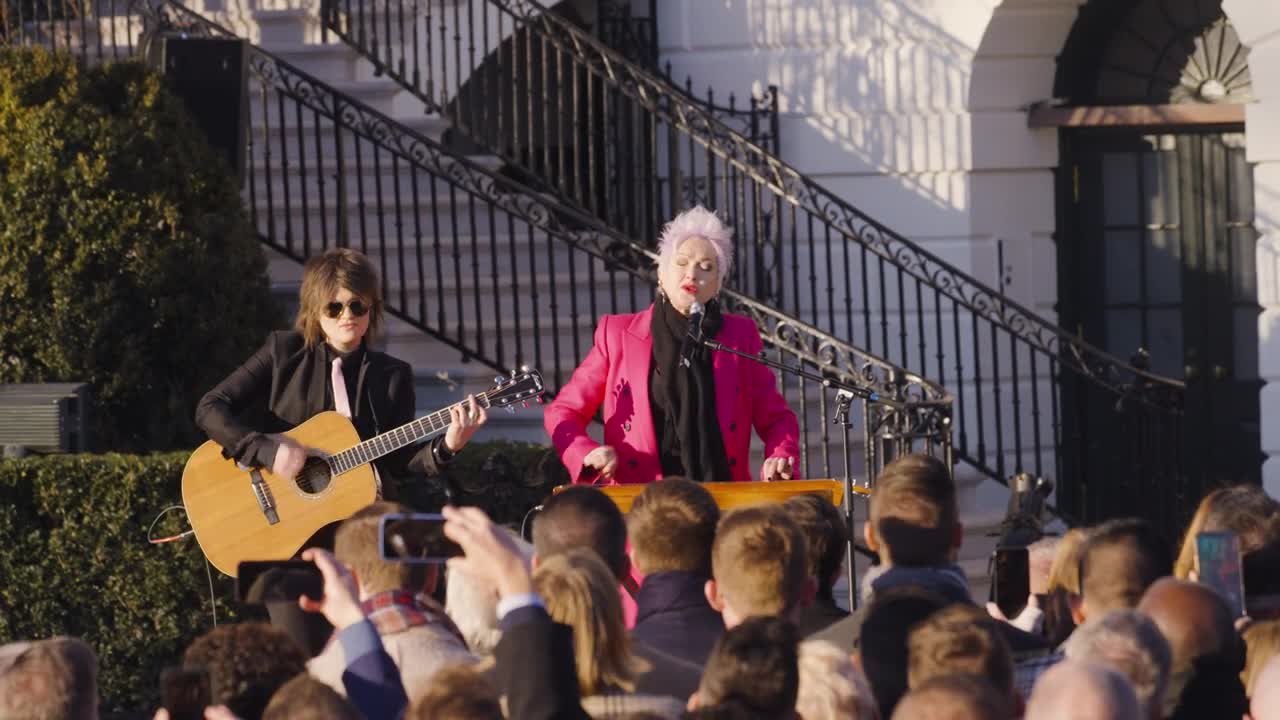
x: 315, y: 476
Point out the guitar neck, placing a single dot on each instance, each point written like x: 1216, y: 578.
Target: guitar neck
x: 403, y: 436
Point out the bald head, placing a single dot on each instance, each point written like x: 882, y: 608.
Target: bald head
x: 1075, y: 690
x: 1265, y: 704
x: 1194, y: 620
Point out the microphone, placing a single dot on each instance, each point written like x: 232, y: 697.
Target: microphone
x: 693, y: 338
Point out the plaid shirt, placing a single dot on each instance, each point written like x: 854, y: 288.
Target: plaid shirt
x: 395, y: 611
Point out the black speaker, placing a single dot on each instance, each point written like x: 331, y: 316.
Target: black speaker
x: 209, y: 74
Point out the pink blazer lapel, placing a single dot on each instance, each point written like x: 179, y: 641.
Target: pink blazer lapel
x: 639, y: 348
x: 725, y: 369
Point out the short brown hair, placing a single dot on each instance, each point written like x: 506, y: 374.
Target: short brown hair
x: 582, y: 516
x: 672, y: 525
x: 355, y: 544
x: 758, y: 560
x: 323, y: 276
x: 51, y: 678
x: 457, y: 692
x: 959, y: 640
x: 913, y: 510
x: 754, y: 667
x: 247, y: 663
x: 305, y: 698
x: 1119, y: 560
x: 826, y: 535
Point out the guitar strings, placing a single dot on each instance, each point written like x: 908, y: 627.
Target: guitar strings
x: 353, y: 455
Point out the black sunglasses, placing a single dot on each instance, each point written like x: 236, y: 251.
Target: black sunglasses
x: 334, y: 309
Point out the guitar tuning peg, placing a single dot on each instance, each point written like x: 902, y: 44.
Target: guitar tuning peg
x: 540, y: 400
x: 498, y: 380
x: 524, y: 368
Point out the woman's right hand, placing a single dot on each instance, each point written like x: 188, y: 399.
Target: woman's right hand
x: 604, y: 460
x: 290, y: 457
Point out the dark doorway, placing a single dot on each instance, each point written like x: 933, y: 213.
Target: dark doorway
x: 1158, y: 253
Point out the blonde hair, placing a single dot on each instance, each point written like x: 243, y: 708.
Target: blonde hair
x: 831, y: 686
x: 581, y: 592
x: 355, y: 544
x: 1186, y: 561
x: 759, y: 560
x: 1262, y: 642
x: 697, y: 222
x: 1064, y: 573
x: 323, y: 276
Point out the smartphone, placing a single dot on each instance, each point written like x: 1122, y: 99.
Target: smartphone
x: 1011, y: 582
x: 259, y: 582
x: 415, y: 538
x: 185, y: 693
x: 1218, y: 566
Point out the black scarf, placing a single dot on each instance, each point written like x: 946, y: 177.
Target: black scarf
x: 683, y: 399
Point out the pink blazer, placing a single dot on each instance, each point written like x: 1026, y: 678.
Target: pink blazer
x: 616, y: 373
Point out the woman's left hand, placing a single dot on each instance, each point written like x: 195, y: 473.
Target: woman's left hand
x: 777, y: 468
x: 465, y: 419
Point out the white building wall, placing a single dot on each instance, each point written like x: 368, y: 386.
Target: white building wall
x: 914, y: 111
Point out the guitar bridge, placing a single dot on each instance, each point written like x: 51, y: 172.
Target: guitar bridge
x: 266, y: 502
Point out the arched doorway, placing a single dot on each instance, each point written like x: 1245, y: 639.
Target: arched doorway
x: 1156, y: 238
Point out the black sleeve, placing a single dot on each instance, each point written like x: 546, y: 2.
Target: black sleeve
x: 402, y: 398
x: 535, y: 668
x: 219, y: 410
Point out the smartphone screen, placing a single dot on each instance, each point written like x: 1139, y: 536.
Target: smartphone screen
x: 1012, y: 580
x: 185, y: 693
x: 415, y: 538
x: 259, y: 582
x: 1218, y: 566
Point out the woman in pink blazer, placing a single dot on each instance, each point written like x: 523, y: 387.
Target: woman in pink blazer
x: 662, y: 417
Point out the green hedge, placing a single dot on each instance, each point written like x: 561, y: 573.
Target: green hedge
x: 75, y: 560
x: 127, y: 259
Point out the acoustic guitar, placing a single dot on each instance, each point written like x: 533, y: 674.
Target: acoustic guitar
x: 242, y: 513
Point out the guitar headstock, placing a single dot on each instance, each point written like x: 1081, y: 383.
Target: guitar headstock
x: 519, y: 388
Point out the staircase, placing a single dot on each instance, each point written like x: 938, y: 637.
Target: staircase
x: 409, y: 153
x: 604, y: 132
x: 483, y: 273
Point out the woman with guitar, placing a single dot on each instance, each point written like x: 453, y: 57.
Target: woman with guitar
x: 671, y: 406
x: 325, y: 364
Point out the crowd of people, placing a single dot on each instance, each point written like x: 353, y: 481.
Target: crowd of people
x: 734, y: 617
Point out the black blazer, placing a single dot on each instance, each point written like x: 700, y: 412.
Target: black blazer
x: 535, y: 667
x: 286, y: 383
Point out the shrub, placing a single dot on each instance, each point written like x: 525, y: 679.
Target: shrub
x: 126, y: 257
x: 76, y: 562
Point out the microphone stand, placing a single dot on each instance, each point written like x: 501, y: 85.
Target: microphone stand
x: 846, y: 392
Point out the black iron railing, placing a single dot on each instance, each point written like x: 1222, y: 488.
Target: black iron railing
x: 93, y: 30
x: 561, y: 127
x: 802, y: 249
x: 503, y: 274
x: 508, y: 276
